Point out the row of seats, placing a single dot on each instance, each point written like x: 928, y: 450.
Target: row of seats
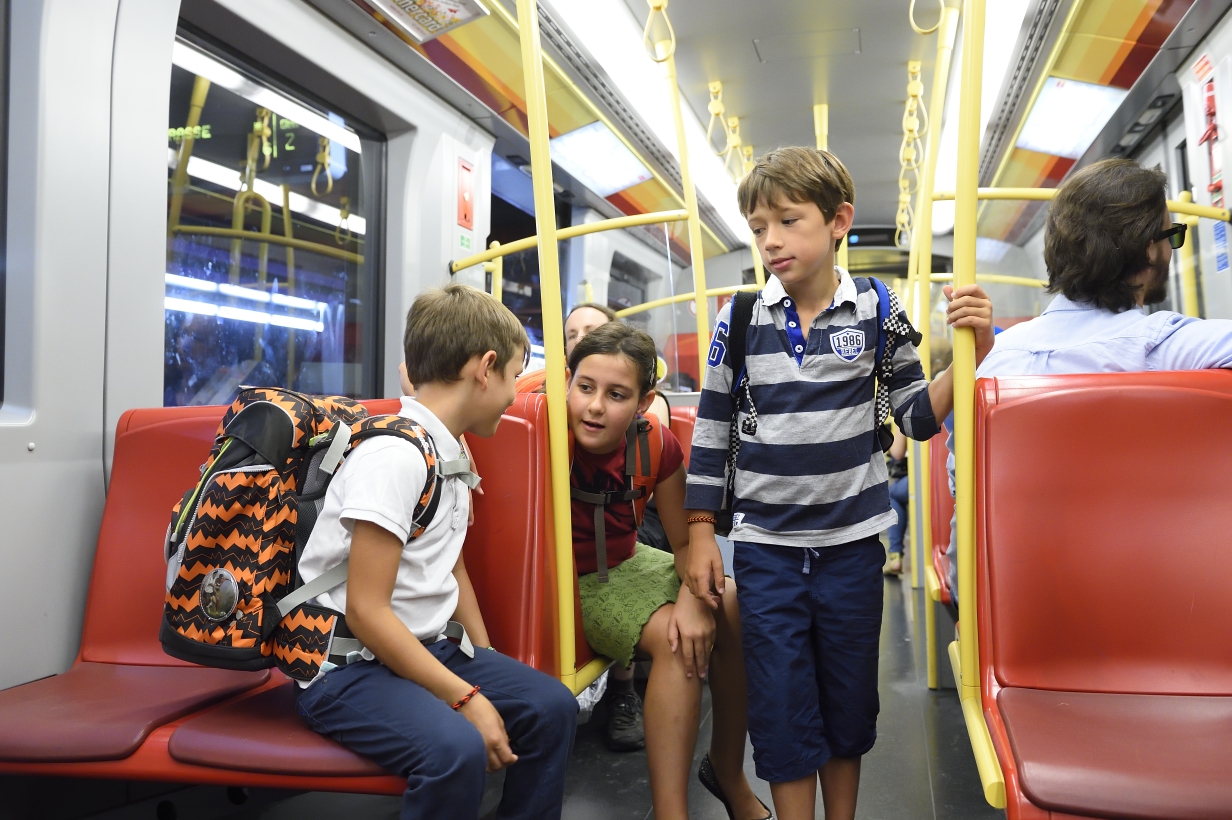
x: 1104, y: 617
x: 127, y: 710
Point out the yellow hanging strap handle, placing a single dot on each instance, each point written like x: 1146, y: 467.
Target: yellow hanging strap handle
x: 322, y: 165
x: 916, y: 27
x: 734, y: 161
x: 658, y: 31
x: 716, y: 109
x: 262, y: 129
x: 910, y: 154
x: 344, y: 219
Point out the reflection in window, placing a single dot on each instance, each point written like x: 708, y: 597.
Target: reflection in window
x: 270, y: 271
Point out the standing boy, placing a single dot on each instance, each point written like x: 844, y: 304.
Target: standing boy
x: 810, y: 486
x: 439, y: 712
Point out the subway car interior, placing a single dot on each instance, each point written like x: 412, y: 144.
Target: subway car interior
x: 255, y: 193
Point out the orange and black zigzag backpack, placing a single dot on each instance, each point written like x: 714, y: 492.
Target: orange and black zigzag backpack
x: 234, y: 596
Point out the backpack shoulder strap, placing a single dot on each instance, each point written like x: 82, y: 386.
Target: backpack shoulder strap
x: 883, y: 310
x: 414, y: 432
x: 648, y: 460
x: 737, y: 333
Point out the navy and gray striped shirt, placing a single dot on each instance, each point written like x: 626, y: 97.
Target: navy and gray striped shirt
x: 813, y: 475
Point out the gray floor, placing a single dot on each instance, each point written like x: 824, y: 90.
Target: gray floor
x: 921, y: 766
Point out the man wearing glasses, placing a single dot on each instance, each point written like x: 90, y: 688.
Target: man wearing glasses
x: 1108, y: 244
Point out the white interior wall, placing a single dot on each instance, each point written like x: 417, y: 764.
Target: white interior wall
x: 86, y: 250
x: 1214, y: 258
x: 55, y: 328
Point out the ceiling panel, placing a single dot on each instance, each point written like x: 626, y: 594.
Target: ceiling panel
x: 802, y: 39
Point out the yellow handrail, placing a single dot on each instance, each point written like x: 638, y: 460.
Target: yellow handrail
x: 966, y: 204
x: 559, y: 76
x: 286, y: 241
x: 919, y: 261
x: 553, y: 328
x: 1189, y: 267
x: 1177, y: 206
x: 996, y: 279
x: 529, y: 242
x: 683, y: 297
x: 664, y: 52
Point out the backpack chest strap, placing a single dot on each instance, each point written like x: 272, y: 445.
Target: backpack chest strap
x: 459, y: 468
x: 600, y: 502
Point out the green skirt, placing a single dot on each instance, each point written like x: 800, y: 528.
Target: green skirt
x: 614, y: 613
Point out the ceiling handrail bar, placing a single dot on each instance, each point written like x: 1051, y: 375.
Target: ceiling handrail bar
x: 616, y: 223
x: 683, y: 297
x: 1177, y: 206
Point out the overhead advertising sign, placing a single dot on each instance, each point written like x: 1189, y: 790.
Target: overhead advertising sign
x: 427, y: 19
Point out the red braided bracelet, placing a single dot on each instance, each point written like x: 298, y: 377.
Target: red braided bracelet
x: 465, y: 700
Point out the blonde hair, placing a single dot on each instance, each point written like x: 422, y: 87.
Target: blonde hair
x: 447, y: 326
x: 800, y: 175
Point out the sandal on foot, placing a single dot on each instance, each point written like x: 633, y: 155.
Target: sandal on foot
x: 705, y: 773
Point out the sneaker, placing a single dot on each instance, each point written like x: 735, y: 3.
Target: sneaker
x: 624, y: 725
x: 894, y: 564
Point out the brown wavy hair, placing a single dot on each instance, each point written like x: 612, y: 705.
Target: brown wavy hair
x: 618, y: 338
x: 1099, y: 227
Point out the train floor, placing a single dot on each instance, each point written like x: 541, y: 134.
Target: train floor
x: 921, y: 767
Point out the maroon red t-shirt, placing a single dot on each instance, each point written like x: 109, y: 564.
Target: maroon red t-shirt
x: 606, y: 473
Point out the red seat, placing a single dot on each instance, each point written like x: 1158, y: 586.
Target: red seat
x: 942, y: 511
x: 684, y: 419
x: 120, y: 709
x: 263, y: 733
x: 122, y: 686
x: 1105, y: 621
x: 104, y: 711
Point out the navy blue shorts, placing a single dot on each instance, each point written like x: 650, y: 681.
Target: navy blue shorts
x: 810, y: 622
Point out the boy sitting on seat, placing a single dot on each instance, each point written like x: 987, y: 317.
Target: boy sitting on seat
x: 810, y: 480
x: 438, y: 712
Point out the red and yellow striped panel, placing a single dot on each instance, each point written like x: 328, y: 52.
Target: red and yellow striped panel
x: 1108, y: 42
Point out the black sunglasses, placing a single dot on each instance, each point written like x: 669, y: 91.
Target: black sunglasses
x: 1175, y: 235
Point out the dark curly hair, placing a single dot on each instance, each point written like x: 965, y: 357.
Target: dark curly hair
x: 618, y: 338
x: 1099, y: 227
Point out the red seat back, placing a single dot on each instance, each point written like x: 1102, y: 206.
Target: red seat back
x: 509, y: 553
x: 684, y: 419
x: 1101, y: 509
x: 158, y: 455
x: 942, y: 510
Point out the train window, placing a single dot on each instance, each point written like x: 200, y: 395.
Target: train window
x: 271, y: 275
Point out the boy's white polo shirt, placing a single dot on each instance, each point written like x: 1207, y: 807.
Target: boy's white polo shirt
x: 381, y: 481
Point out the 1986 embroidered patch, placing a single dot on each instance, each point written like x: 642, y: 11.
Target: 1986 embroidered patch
x: 848, y: 344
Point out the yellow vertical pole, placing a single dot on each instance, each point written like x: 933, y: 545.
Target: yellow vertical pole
x: 553, y: 326
x: 759, y: 271
x: 821, y: 126
x: 288, y: 231
x: 665, y: 53
x: 922, y: 245
x: 821, y: 131
x: 1189, y: 267
x: 966, y: 206
x: 179, y: 184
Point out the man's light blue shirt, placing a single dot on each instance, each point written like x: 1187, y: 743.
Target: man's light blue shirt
x: 1076, y: 337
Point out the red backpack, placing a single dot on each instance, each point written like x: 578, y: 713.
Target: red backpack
x: 234, y: 596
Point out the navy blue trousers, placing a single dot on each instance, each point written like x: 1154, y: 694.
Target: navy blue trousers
x: 810, y: 623
x: 412, y: 733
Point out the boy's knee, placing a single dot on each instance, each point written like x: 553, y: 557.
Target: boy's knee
x: 459, y: 755
x: 558, y: 707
